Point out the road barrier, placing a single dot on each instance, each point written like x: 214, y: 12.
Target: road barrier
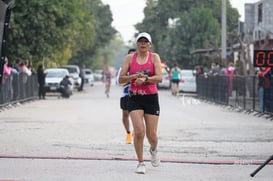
x: 239, y: 92
x: 18, y: 88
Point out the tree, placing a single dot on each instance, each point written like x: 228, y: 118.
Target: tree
x: 191, y: 36
x: 104, y: 33
x: 39, y: 28
x: 58, y: 30
x: 161, y: 16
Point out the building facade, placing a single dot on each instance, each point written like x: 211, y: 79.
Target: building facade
x: 259, y: 20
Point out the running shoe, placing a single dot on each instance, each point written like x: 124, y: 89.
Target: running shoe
x: 141, y: 169
x: 155, y: 160
x: 129, y: 138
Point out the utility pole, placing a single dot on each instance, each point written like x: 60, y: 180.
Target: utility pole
x: 224, y: 32
x: 5, y: 12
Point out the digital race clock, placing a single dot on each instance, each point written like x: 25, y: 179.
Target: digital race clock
x: 263, y: 58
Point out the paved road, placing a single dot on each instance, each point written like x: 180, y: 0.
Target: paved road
x: 82, y: 138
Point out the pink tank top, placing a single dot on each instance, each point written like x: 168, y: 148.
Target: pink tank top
x: 147, y: 68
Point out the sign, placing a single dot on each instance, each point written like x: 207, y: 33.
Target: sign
x: 263, y: 58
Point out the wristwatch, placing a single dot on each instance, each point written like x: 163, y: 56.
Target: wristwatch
x: 146, y: 80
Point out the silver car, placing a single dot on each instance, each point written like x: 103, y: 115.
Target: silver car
x: 98, y: 75
x: 88, y: 76
x: 166, y: 81
x: 188, y: 81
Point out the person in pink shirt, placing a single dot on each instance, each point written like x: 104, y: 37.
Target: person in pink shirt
x: 229, y: 72
x: 144, y: 69
x: 6, y: 71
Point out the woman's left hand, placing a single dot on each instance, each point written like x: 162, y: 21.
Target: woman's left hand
x: 140, y: 81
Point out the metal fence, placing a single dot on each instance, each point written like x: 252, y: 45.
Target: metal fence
x: 240, y: 92
x: 18, y: 88
x: 213, y: 89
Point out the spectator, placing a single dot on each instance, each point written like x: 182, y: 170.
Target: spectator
x: 7, y: 81
x: 214, y: 69
x: 14, y: 82
x: 230, y: 72
x: 41, y: 81
x: 30, y: 67
x: 264, y: 90
x: 81, y: 75
x: 23, y: 68
x: 64, y: 87
x: 6, y: 71
x: 16, y: 65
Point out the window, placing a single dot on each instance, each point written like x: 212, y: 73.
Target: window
x: 260, y: 13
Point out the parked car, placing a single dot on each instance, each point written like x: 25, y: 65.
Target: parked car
x: 74, y: 72
x: 54, y: 76
x: 188, y: 81
x: 98, y: 75
x: 88, y: 76
x: 166, y: 81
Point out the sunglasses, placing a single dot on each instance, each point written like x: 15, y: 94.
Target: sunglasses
x: 143, y: 41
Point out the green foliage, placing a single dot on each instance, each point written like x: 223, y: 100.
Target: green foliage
x: 91, y: 56
x: 59, y: 30
x: 180, y: 26
x: 38, y: 28
x: 205, y: 33
x: 80, y: 32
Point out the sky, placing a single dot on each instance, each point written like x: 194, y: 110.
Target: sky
x: 127, y: 13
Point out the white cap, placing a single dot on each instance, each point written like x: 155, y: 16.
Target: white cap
x: 144, y: 35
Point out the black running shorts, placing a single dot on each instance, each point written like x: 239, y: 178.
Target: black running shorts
x: 124, y: 103
x: 175, y: 81
x: 148, y: 103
